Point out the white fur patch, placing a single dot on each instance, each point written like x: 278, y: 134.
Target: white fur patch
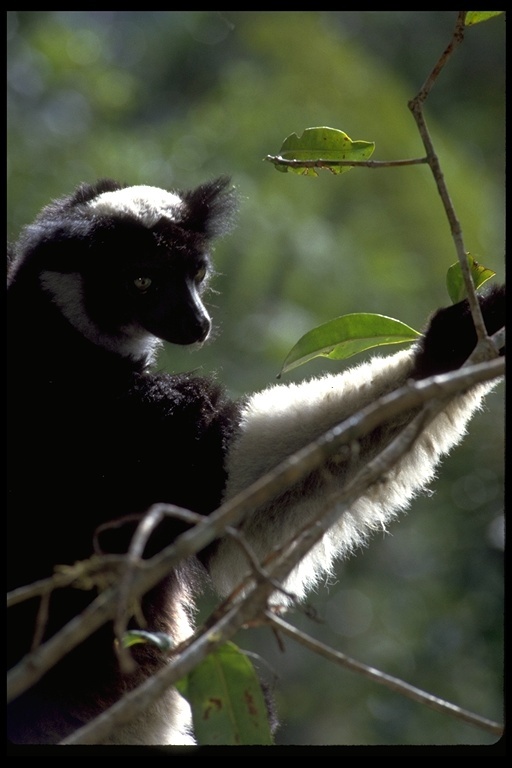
x: 282, y: 419
x: 66, y: 291
x: 145, y: 203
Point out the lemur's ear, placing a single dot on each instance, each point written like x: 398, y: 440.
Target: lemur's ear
x: 210, y: 208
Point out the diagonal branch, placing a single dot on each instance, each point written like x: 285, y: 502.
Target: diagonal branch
x: 238, y: 611
x: 416, y: 107
x: 393, y: 683
x: 231, y: 513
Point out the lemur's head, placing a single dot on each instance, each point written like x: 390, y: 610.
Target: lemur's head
x: 128, y: 265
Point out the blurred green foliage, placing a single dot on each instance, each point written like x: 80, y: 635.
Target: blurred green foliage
x: 171, y: 98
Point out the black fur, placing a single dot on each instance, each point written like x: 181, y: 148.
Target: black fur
x: 93, y: 436
x: 451, y: 334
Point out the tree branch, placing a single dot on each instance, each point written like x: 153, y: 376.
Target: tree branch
x: 390, y: 682
x: 416, y: 107
x: 238, y: 610
x: 278, y: 160
x: 149, y: 573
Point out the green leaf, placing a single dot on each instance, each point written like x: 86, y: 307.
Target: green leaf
x: 323, y: 146
x: 475, y: 17
x: 455, y: 281
x: 346, y: 336
x: 158, y: 639
x: 227, y: 702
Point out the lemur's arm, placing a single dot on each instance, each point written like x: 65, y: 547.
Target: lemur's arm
x: 284, y: 418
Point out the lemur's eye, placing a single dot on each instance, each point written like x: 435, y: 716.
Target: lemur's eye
x: 142, y: 283
x: 200, y: 275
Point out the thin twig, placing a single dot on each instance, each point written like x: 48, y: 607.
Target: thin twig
x: 292, y: 163
x: 393, y: 683
x: 95, y: 569
x: 457, y: 39
x: 416, y: 107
